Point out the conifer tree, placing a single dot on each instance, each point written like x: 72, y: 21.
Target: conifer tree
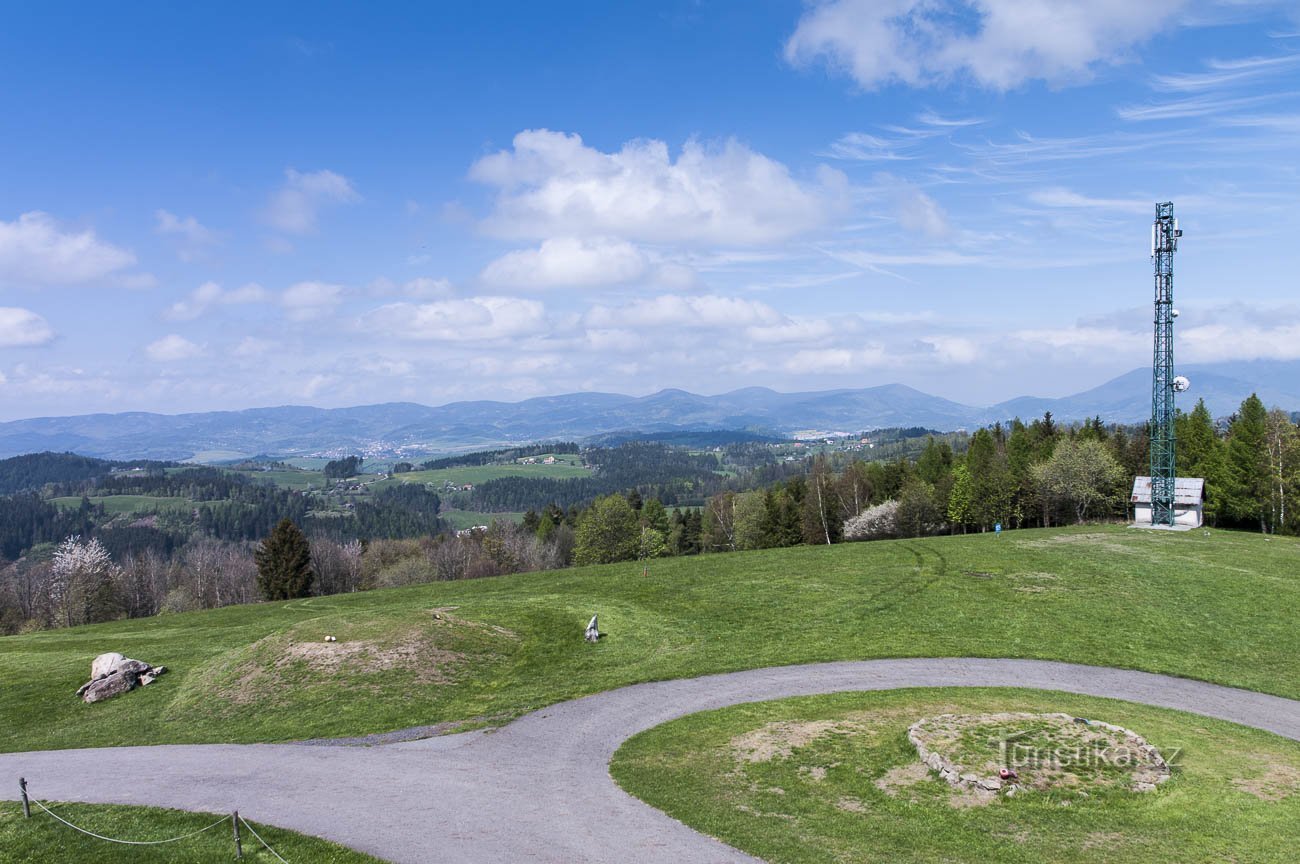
x: 284, y: 563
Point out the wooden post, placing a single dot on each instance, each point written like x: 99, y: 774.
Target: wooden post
x: 239, y: 846
x: 27, y: 808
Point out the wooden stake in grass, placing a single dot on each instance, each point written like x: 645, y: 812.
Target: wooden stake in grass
x: 27, y: 808
x: 239, y: 846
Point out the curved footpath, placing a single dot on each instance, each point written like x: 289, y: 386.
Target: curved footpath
x: 539, y: 789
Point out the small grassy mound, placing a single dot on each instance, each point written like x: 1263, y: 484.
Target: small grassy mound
x: 43, y: 839
x: 1216, y: 606
x: 296, y: 680
x: 834, y: 778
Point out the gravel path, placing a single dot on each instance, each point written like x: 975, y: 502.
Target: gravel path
x: 539, y: 789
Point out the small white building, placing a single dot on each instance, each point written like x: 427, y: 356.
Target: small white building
x: 1189, y: 501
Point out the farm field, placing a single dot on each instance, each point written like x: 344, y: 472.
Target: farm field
x: 1211, y: 605
x: 477, y: 474
x: 298, y: 480
x: 834, y: 778
x: 118, y: 504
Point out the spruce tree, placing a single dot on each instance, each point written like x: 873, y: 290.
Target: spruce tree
x: 284, y: 563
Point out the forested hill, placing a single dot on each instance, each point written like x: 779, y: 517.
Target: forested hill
x: 33, y: 471
x: 405, y: 429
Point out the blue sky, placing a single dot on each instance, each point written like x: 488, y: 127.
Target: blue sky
x: 237, y: 206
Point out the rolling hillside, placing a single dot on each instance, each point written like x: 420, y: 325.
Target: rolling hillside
x: 483, y: 651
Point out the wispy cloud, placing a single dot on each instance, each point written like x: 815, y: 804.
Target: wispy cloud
x: 1194, y: 106
x: 1225, y: 73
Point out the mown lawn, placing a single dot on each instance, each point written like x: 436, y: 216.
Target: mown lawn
x: 43, y: 839
x: 1217, y: 606
x: 834, y: 778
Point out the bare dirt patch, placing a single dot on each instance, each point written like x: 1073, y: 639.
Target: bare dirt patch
x: 901, y: 777
x: 781, y: 739
x: 1095, y: 540
x: 1275, y: 783
x: 431, y: 663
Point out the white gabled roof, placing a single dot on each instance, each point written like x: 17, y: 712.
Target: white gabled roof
x: 1187, y: 490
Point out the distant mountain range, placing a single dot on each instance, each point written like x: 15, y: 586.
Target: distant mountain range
x: 404, y: 428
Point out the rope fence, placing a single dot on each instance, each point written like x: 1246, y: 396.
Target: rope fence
x: 234, y: 819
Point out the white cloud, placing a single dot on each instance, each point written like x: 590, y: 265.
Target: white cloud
x: 211, y: 294
x: 172, y: 347
x: 304, y: 301
x: 837, y: 360
x: 552, y: 185
x: 34, y: 250
x: 22, y: 327
x: 295, y: 206
x: 1058, y: 196
x: 917, y: 211
x: 569, y: 262
x: 1226, y: 73
x: 862, y: 147
x: 810, y: 330
x: 193, y: 236
x: 466, y: 320
x: 673, y: 310
x: 251, y: 346
x: 1000, y: 44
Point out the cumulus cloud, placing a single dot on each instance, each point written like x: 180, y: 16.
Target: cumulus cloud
x: 172, y: 347
x: 673, y: 310
x: 569, y: 262
x: 465, y: 320
x: 553, y: 185
x: 999, y: 44
x: 294, y: 207
x: 211, y: 294
x: 192, y: 236
x: 838, y: 360
x: 304, y: 301
x: 21, y: 328
x: 34, y: 250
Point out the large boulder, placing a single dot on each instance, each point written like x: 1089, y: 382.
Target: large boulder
x: 103, y: 665
x: 113, y: 674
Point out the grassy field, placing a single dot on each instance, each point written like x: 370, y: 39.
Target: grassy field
x: 461, y: 519
x: 117, y: 504
x: 300, y: 481
x: 834, y: 778
x: 43, y: 839
x: 1217, y: 606
x: 477, y: 474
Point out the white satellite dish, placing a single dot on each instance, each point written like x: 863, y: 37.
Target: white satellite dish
x: 1175, y: 313
x: 1181, y: 384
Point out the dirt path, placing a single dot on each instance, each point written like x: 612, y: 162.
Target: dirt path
x: 539, y: 789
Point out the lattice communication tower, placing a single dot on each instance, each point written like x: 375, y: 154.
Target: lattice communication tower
x: 1164, y: 384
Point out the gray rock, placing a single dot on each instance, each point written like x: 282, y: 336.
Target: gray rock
x: 123, y: 675
x: 103, y: 665
x: 592, y: 633
x: 115, y: 684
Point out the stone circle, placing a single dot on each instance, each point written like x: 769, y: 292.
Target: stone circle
x: 1002, y: 753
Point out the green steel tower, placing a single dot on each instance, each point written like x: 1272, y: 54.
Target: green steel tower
x: 1164, y: 242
